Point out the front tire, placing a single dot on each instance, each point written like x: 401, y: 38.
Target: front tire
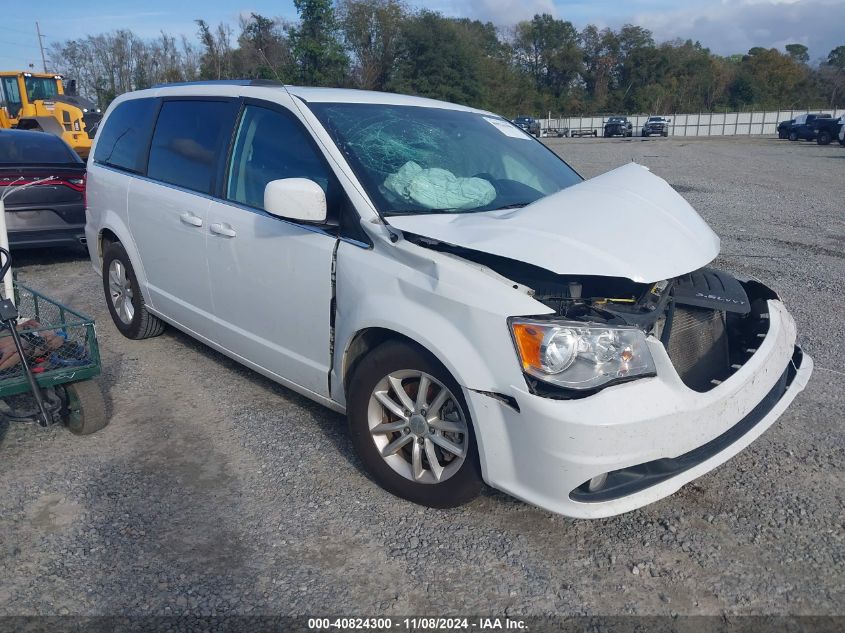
x: 411, y: 427
x: 123, y: 296
x: 793, y: 136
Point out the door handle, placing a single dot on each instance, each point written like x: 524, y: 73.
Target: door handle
x: 225, y: 230
x: 190, y: 218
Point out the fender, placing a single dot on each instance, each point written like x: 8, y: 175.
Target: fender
x: 114, y: 223
x: 447, y: 305
x: 110, y: 214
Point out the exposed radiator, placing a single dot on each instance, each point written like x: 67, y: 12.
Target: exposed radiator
x: 698, y: 346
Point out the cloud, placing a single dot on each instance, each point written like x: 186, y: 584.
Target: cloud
x: 724, y: 26
x: 735, y: 26
x: 509, y: 12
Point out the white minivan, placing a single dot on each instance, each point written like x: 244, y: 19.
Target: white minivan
x: 479, y: 311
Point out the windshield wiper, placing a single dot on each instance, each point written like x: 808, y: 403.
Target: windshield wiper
x: 392, y: 212
x: 419, y: 212
x: 515, y: 205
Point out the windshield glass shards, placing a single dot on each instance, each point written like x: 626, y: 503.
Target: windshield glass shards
x: 414, y: 159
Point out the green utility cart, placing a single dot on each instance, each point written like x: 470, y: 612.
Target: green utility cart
x: 49, y: 362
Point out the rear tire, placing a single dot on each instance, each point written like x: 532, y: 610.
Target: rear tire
x: 823, y: 138
x: 793, y: 136
x: 391, y: 374
x: 123, y: 296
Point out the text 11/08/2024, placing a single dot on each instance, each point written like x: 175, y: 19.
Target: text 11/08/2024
x: 417, y: 624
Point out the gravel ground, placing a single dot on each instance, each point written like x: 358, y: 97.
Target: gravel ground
x: 215, y: 491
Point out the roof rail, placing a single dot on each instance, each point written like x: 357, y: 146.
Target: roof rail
x: 224, y: 82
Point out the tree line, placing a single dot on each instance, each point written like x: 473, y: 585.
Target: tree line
x: 539, y: 65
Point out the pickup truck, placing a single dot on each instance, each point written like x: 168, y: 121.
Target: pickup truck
x: 827, y: 129
x: 783, y: 128
x: 528, y: 124
x: 802, y: 127
x: 618, y: 125
x: 656, y: 125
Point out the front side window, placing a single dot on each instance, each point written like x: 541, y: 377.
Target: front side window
x: 188, y: 140
x: 39, y: 88
x: 122, y: 139
x: 271, y: 145
x: 414, y: 159
x: 11, y: 96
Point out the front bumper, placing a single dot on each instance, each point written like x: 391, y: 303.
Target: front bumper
x: 546, y: 450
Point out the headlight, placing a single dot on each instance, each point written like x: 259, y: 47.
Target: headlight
x: 580, y: 356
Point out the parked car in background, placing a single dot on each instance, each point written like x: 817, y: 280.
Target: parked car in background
x: 826, y: 129
x: 440, y: 290
x: 783, y: 128
x: 529, y: 124
x: 618, y: 126
x: 802, y: 127
x: 52, y: 212
x: 656, y: 125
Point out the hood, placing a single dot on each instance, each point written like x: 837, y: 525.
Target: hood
x: 625, y: 223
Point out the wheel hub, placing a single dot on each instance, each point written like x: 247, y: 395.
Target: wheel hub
x: 419, y: 425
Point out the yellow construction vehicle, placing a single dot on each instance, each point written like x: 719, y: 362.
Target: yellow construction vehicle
x: 37, y: 101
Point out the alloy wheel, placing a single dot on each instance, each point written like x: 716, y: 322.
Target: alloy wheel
x: 120, y: 291
x: 418, y: 426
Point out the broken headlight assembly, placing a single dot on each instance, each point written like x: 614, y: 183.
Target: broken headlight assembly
x: 580, y: 356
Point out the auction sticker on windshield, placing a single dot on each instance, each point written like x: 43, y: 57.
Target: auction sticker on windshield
x: 506, y: 128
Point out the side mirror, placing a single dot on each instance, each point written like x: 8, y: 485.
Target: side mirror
x: 295, y: 199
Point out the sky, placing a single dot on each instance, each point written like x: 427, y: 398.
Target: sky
x: 724, y: 26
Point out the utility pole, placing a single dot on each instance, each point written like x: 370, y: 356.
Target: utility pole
x: 41, y: 45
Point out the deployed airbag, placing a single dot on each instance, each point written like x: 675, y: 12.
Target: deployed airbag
x: 437, y: 188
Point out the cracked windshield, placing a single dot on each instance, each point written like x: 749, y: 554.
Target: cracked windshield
x: 433, y: 160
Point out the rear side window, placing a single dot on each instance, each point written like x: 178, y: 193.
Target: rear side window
x: 189, y: 138
x: 34, y: 148
x: 269, y: 146
x: 122, y: 140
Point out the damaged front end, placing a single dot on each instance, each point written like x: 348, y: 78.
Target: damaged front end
x: 709, y: 322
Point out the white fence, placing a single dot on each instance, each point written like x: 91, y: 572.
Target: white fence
x: 701, y: 124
